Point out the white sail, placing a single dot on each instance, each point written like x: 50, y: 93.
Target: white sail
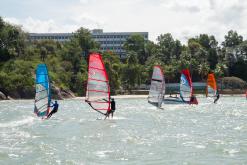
x: 157, y: 88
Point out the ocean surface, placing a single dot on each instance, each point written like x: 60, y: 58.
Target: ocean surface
x: 139, y: 133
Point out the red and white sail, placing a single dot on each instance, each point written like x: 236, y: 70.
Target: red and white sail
x: 98, y: 90
x: 157, y: 88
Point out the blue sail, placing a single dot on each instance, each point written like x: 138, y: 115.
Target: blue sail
x: 185, y: 85
x: 42, y: 95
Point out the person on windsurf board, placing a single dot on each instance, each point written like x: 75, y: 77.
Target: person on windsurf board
x: 54, y: 110
x: 112, y: 110
x: 193, y: 100
x: 217, y: 97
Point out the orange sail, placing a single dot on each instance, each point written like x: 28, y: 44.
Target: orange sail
x: 211, y: 90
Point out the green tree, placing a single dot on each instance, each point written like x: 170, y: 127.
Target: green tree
x: 168, y: 48
x: 137, y: 43
x: 43, y: 53
x: 131, y: 72
x: 85, y: 41
x: 209, y: 44
x: 220, y: 70
x: 16, y: 79
x: 203, y: 70
x: 12, y: 41
x: 113, y: 66
x: 232, y: 39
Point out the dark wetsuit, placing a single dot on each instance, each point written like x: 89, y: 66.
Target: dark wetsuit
x: 113, y: 108
x: 54, y: 110
x: 193, y: 100
x: 217, y: 98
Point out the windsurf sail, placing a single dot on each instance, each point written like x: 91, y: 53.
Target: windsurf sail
x: 157, y: 88
x: 43, y: 94
x: 186, y: 89
x: 211, y: 89
x: 98, y: 89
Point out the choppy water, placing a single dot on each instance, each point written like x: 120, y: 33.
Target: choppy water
x: 140, y: 134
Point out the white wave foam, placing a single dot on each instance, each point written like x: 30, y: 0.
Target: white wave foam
x: 17, y: 123
x: 200, y: 146
x: 103, y: 154
x: 238, y: 128
x: 117, y: 118
x: 13, y: 155
x: 114, y: 118
x: 231, y: 151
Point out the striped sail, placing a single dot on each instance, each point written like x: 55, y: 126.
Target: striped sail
x: 98, y: 89
x: 157, y: 88
x: 42, y: 94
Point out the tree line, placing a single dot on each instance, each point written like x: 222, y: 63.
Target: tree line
x: 67, y: 62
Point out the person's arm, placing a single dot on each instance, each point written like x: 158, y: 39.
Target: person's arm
x: 52, y: 104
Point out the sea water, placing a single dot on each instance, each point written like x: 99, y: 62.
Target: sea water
x: 139, y: 133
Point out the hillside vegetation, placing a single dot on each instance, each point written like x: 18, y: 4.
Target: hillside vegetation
x: 67, y: 62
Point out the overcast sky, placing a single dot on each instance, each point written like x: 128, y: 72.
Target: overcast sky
x: 182, y: 18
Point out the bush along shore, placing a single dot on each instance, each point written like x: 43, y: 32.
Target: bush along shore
x: 67, y: 62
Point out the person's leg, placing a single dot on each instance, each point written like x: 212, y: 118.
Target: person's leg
x: 106, y: 115
x: 55, y: 111
x: 50, y: 114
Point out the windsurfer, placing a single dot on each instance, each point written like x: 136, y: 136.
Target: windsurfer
x: 54, y: 110
x: 193, y: 100
x: 112, y: 110
x: 217, y: 97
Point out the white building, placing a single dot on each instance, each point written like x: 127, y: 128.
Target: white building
x: 108, y: 40
x: 60, y: 37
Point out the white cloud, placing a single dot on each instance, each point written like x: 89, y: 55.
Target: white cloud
x: 84, y: 1
x: 39, y: 26
x: 184, y: 19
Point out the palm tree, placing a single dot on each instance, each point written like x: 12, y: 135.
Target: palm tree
x: 220, y: 71
x: 203, y: 70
